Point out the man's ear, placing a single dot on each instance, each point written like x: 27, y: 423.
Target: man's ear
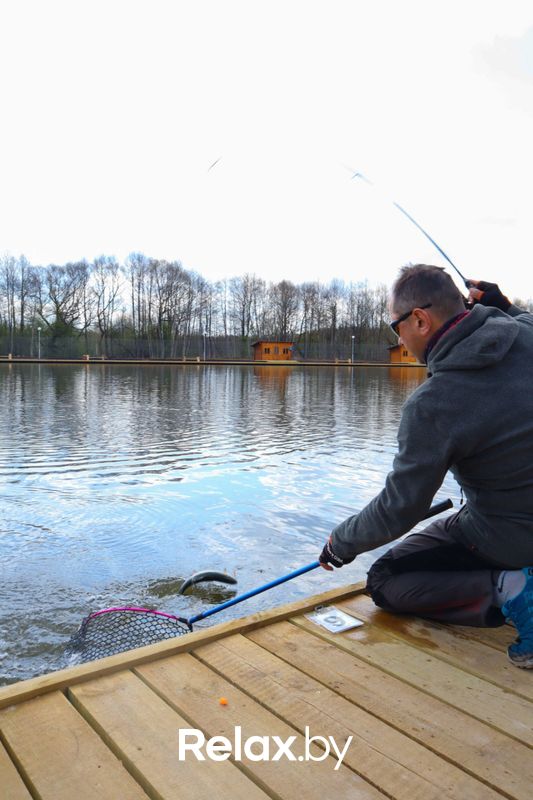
x: 423, y: 322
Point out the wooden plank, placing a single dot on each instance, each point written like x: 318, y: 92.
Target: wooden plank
x: 497, y: 638
x: 194, y: 691
x: 487, y: 702
x: 12, y: 785
x: 484, y: 752
x: 60, y: 756
x: 392, y: 762
x: 446, y: 643
x: 25, y: 690
x: 142, y: 730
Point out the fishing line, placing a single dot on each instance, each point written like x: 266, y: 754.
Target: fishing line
x: 466, y: 282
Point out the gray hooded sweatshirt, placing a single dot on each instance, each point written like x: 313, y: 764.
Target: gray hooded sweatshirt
x: 473, y: 416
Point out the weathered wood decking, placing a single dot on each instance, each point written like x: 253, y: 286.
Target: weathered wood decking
x: 434, y: 711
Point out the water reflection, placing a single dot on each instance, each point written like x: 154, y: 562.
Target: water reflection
x: 115, y: 480
x: 407, y: 377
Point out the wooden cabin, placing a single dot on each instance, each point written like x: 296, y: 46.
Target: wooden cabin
x: 273, y: 351
x: 399, y: 354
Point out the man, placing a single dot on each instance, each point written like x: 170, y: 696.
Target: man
x: 473, y: 416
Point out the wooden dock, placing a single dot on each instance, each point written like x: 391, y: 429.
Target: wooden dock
x: 434, y: 711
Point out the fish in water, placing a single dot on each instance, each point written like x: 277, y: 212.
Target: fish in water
x: 206, y: 575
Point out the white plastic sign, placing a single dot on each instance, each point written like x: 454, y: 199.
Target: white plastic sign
x: 333, y: 619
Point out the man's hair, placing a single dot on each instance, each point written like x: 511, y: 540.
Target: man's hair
x: 419, y: 284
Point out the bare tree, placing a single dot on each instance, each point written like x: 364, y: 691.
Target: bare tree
x: 137, y: 268
x: 105, y: 287
x: 243, y: 291
x: 284, y: 298
x: 9, y: 286
x: 60, y: 296
x: 25, y: 289
x: 333, y: 296
x: 222, y: 302
x: 180, y: 301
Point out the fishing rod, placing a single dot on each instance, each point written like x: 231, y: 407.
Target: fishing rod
x: 466, y: 282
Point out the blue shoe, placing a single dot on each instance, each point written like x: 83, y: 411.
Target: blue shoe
x: 519, y: 611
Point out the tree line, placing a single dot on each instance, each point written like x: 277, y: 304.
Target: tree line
x: 152, y: 308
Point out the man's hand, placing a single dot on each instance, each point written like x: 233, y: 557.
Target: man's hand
x: 329, y: 559
x: 488, y: 294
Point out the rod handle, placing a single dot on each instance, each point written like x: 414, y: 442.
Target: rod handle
x: 438, y: 508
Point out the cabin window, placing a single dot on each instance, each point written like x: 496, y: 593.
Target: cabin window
x: 405, y: 352
x: 266, y: 350
x: 276, y: 351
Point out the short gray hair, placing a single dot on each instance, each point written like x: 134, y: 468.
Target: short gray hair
x: 419, y: 284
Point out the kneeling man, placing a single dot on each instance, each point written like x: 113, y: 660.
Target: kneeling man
x: 473, y: 416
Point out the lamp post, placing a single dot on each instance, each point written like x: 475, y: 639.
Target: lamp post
x: 39, y: 342
x: 353, y: 348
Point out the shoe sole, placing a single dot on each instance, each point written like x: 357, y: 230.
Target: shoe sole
x: 527, y: 662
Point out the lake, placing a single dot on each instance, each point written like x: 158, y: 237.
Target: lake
x: 119, y: 481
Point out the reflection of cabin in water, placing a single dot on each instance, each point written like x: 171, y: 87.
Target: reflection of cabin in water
x: 273, y: 351
x: 399, y: 354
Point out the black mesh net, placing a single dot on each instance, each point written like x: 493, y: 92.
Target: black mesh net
x: 109, y: 632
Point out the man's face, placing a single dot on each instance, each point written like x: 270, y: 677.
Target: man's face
x: 413, y: 328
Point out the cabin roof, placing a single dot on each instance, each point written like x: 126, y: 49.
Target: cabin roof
x: 271, y: 341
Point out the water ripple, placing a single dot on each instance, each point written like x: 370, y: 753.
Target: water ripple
x: 117, y: 480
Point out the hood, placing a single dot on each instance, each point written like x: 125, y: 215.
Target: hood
x: 480, y: 340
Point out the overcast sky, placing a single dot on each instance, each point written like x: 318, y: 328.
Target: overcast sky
x: 113, y: 113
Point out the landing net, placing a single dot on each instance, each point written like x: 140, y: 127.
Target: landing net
x: 114, y: 630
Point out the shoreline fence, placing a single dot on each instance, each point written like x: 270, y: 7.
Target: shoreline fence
x: 193, y: 346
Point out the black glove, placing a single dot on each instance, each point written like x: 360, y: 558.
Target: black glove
x: 328, y: 556
x: 488, y: 294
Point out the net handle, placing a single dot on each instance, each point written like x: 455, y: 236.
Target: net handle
x: 253, y: 592
x: 435, y: 509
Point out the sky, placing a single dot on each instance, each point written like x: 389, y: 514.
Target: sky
x: 224, y: 134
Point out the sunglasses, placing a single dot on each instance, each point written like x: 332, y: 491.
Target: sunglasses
x: 394, y: 324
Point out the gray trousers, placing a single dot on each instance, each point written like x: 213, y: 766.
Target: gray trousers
x: 433, y: 575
